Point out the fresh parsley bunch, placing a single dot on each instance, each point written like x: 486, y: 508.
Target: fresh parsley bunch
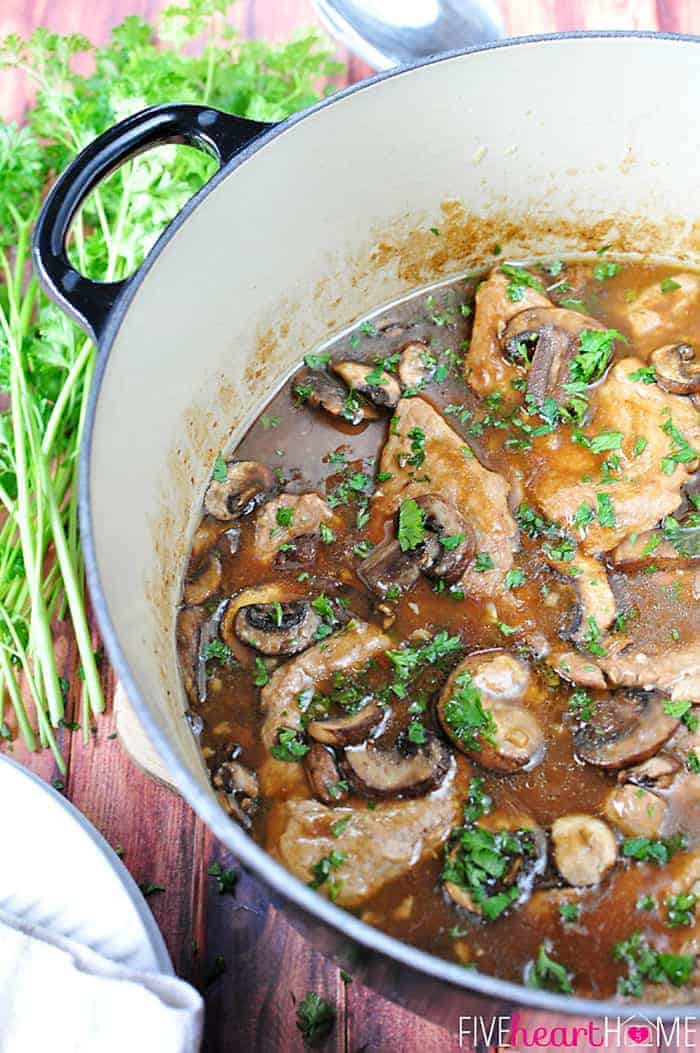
x: 46, y: 363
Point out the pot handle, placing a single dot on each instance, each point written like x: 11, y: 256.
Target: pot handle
x: 88, y: 302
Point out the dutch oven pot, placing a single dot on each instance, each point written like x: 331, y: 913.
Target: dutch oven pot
x: 552, y: 145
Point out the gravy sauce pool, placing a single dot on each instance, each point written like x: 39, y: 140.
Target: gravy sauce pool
x: 544, y: 442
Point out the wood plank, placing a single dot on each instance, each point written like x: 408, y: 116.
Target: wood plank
x: 251, y: 1006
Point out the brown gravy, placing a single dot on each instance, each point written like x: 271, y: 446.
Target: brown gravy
x: 656, y: 608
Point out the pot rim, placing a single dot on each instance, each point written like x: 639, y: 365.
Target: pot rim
x: 247, y: 851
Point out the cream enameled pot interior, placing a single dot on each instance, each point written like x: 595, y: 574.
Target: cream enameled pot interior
x: 554, y: 146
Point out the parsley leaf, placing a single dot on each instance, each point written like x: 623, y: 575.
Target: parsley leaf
x: 411, y: 525
x: 544, y: 973
x: 289, y: 747
x: 219, y: 473
x: 315, y: 1018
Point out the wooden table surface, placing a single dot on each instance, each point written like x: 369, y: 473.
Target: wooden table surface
x: 250, y: 1006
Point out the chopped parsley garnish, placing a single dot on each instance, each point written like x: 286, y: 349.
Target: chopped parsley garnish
x: 416, y: 732
x: 606, y: 440
x: 520, y: 280
x: 260, y: 673
x: 219, y: 474
x: 226, y: 880
x: 581, y: 705
x: 682, y: 453
x: 569, y: 912
x: 339, y: 827
x: 692, y: 762
x: 546, y: 974
x: 605, y: 270
x: 483, y: 562
x: 408, y: 659
x: 677, y: 707
x: 411, y: 525
x: 478, y: 802
x: 217, y: 651
x: 315, y: 1018
x: 644, y: 375
x: 595, y: 354
x: 582, y: 516
x: 533, y: 524
x: 368, y: 329
x: 284, y: 516
x: 289, y: 746
x: 481, y: 862
x: 646, y: 902
x: 270, y: 423
x: 514, y: 578
x: 465, y: 715
x: 323, y: 870
x: 652, y: 849
x: 669, y: 285
x: 646, y: 963
x: 592, y: 637
x: 327, y: 535
x: 680, y: 910
x: 640, y: 446
x: 606, y: 511
x: 317, y: 361
x: 451, y: 543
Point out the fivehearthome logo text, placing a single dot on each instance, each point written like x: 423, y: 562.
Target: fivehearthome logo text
x: 611, y: 1032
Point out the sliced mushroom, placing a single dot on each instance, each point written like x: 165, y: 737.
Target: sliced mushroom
x: 381, y: 389
x: 278, y: 628
x: 298, y: 552
x: 247, y: 484
x: 327, y: 393
x: 323, y: 775
x: 516, y: 740
x: 636, y: 812
x: 237, y: 789
x: 548, y: 339
x: 577, y: 669
x: 347, y: 730
x: 584, y: 849
x: 188, y: 634
x: 595, y: 597
x: 416, y: 365
x: 656, y: 773
x: 206, y: 536
x: 522, y: 871
x: 388, y: 567
x: 203, y: 579
x: 513, y: 738
x: 407, y: 770
x: 459, y: 544
x: 626, y: 728
x: 677, y: 369
x: 272, y: 593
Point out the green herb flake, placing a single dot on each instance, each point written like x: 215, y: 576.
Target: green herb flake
x: 606, y: 511
x: 546, y: 974
x: 315, y: 1018
x: 411, y: 525
x: 289, y: 746
x: 219, y: 474
x: 483, y: 562
x: 226, y: 879
x: 260, y: 673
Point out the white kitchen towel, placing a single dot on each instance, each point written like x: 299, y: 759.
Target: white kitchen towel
x: 58, y: 995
